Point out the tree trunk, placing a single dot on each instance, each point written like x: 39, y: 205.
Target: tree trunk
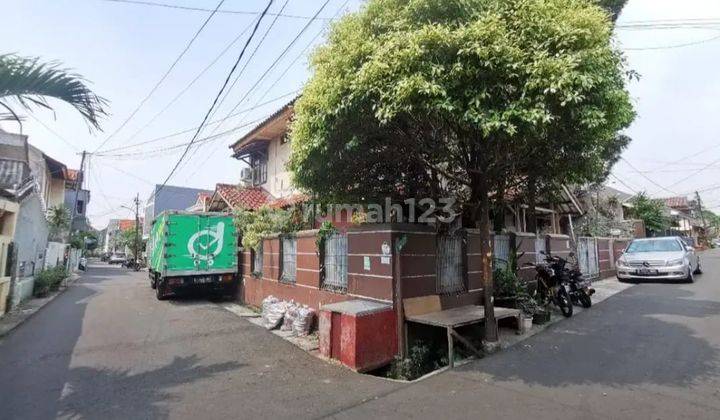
x: 532, y: 203
x: 482, y: 219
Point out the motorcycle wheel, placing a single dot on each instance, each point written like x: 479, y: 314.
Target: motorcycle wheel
x: 564, y: 302
x: 585, y: 300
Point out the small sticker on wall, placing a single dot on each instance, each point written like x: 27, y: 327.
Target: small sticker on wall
x: 385, y: 249
x: 366, y: 263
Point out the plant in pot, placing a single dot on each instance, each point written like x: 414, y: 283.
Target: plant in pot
x: 508, y: 287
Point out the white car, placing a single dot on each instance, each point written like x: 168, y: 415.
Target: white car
x: 117, y: 259
x: 666, y: 258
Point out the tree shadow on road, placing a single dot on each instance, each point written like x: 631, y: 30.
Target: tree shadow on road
x: 108, y: 393
x: 638, y: 336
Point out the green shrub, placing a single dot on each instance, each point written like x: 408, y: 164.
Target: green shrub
x: 420, y: 361
x: 49, y: 280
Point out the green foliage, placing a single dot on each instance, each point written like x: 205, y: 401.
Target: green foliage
x: 455, y: 97
x: 651, y: 212
x: 49, y: 280
x: 58, y: 221
x: 507, y: 284
x: 28, y: 82
x: 421, y: 360
x: 257, y: 224
x: 84, y: 240
x: 326, y: 230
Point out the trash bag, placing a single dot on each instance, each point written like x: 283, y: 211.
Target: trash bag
x: 273, y: 311
x: 303, y: 323
x: 290, y: 314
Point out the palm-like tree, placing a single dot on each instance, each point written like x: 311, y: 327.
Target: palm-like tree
x: 27, y: 81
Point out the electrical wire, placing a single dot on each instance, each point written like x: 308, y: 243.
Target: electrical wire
x: 217, y: 97
x: 200, y: 9
x: 164, y: 76
x: 53, y: 132
x: 192, y: 82
x: 646, y: 177
x: 189, y: 130
x: 277, y: 80
x: 668, y: 47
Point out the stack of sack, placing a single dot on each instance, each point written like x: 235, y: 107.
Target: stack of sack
x: 289, y: 316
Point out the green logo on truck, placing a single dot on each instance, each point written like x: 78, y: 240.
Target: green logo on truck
x: 206, y: 244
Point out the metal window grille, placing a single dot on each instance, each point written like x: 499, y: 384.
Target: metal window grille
x: 257, y: 267
x: 501, y: 251
x: 289, y: 259
x: 450, y: 277
x: 335, y: 263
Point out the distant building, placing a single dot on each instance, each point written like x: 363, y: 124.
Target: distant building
x: 169, y: 198
x: 80, y: 222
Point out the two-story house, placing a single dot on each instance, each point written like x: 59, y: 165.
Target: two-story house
x: 264, y: 179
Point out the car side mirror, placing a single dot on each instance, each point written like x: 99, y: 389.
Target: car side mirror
x: 689, y: 248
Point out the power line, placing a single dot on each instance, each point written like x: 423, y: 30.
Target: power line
x: 713, y: 163
x: 192, y: 82
x: 623, y: 183
x: 164, y: 76
x: 647, y: 178
x: 189, y: 130
x: 217, y: 97
x: 63, y: 139
x: 177, y: 146
x: 200, y: 9
x: 668, y: 47
x: 277, y: 60
x: 247, y: 62
x: 277, y: 80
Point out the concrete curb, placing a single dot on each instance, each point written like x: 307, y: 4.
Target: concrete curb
x: 13, y: 319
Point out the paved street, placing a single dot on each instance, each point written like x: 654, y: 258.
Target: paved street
x: 107, y: 349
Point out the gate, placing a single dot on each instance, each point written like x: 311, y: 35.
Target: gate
x: 587, y: 256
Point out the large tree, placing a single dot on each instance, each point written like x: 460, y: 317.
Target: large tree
x: 29, y: 82
x: 452, y: 98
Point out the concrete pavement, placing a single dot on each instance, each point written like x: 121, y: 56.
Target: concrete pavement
x: 106, y: 348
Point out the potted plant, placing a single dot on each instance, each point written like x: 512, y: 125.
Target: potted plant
x: 507, y: 288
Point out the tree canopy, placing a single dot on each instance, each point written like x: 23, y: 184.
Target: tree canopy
x: 460, y: 99
x: 431, y: 96
x: 651, y: 212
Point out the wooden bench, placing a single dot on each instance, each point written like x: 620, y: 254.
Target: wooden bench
x: 427, y: 310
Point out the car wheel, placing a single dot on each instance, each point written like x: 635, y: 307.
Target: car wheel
x: 160, y: 292
x: 698, y: 269
x: 690, y: 277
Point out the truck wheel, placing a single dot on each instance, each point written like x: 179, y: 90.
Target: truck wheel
x: 160, y: 292
x: 153, y: 282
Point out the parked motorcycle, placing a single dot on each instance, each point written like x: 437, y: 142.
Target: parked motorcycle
x: 580, y: 290
x: 552, y: 285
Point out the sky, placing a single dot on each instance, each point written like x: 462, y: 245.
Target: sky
x: 124, y: 49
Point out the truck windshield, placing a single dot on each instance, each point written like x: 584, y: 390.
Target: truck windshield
x: 659, y: 245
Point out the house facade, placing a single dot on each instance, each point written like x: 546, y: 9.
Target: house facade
x: 168, y: 197
x: 29, y: 181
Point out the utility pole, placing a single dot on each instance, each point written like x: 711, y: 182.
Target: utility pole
x: 78, y: 184
x: 702, y: 216
x: 137, y: 229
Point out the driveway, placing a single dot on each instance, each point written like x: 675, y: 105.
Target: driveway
x: 106, y: 348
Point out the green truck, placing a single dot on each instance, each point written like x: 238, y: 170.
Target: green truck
x: 192, y: 251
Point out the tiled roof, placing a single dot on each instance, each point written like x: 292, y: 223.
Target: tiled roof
x: 266, y: 121
x: 675, y: 202
x: 72, y: 174
x: 279, y: 203
x: 251, y: 198
x: 126, y: 224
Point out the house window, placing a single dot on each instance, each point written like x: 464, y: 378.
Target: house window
x: 259, y: 172
x: 450, y: 263
x: 335, y: 263
x: 289, y: 260
x: 80, y: 206
x: 257, y: 260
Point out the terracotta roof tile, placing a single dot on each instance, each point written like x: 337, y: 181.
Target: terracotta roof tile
x: 675, y: 202
x: 279, y: 203
x: 251, y: 198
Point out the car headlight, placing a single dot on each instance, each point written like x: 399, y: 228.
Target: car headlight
x: 622, y: 261
x: 677, y: 261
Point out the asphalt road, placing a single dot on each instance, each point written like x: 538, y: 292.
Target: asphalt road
x: 107, y: 349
